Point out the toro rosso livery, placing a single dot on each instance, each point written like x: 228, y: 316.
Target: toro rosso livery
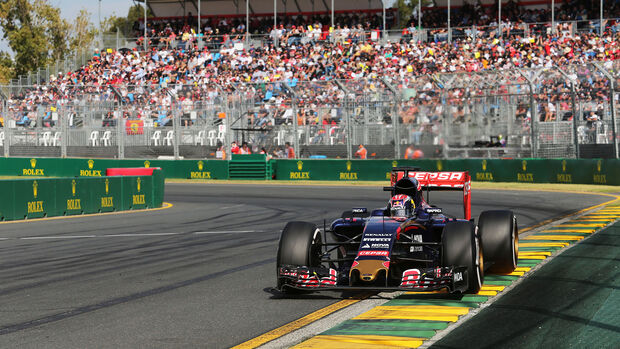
x: 407, y: 245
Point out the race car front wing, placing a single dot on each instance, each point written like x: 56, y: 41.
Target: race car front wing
x: 425, y: 279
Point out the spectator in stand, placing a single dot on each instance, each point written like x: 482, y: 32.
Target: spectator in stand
x: 234, y: 148
x: 245, y: 149
x: 290, y: 152
x: 409, y: 152
x: 278, y: 153
x: 361, y: 152
x: 220, y: 153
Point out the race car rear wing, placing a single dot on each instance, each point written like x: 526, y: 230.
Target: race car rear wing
x: 432, y: 181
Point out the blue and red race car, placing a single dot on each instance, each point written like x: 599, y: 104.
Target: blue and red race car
x: 407, y: 245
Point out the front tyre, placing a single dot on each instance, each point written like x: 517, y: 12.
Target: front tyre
x: 499, y: 236
x: 460, y: 247
x: 300, y: 245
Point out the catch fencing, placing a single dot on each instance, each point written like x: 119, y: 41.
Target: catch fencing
x: 567, y: 112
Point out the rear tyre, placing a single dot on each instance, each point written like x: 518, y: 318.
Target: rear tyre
x: 499, y: 236
x: 300, y: 245
x: 460, y: 247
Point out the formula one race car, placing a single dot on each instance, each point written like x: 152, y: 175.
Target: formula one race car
x: 407, y: 245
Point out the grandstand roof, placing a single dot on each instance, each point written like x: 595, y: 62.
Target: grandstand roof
x: 177, y: 8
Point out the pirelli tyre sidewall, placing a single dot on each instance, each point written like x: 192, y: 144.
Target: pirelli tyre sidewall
x: 299, y: 246
x: 499, y: 236
x: 460, y: 247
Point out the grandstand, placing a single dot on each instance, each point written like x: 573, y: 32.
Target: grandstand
x: 531, y: 89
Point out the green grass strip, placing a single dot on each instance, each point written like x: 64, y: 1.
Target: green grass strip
x: 475, y: 297
x: 383, y: 331
x: 496, y: 282
x: 492, y: 278
x: 527, y: 264
x: 398, y: 324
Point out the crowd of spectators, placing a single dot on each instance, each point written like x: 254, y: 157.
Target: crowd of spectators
x: 320, y: 69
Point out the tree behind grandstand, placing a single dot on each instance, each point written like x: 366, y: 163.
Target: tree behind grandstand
x: 38, y: 35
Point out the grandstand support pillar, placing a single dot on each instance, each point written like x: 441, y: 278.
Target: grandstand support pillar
x: 533, y: 117
x: 176, y: 121
x: 499, y: 21
x: 366, y: 122
x: 275, y: 16
x: 574, y: 110
x: 64, y: 138
x: 295, y: 129
x: 145, y: 31
x: 384, y: 29
x: 449, y: 28
x: 396, y: 107
x: 119, y: 132
x: 600, y: 23
x: 552, y: 17
x: 419, y: 18
x: 333, y: 13
x: 614, y: 131
x: 7, y: 139
x: 575, y: 138
x: 348, y: 104
x: 612, y: 104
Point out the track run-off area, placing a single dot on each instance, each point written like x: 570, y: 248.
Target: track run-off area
x: 201, y: 272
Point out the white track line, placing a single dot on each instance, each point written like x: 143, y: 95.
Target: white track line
x: 138, y: 235
x: 58, y: 237
x: 226, y: 232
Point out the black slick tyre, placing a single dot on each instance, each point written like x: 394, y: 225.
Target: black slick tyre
x: 499, y: 236
x: 460, y: 248
x: 300, y: 245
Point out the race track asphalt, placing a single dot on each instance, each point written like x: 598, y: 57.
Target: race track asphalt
x: 198, y: 274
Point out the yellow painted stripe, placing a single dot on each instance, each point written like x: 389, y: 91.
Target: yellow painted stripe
x: 534, y: 253
x: 523, y: 269
x: 415, y: 312
x: 552, y: 237
x: 532, y: 257
x: 359, y: 341
x: 164, y: 206
x: 492, y: 288
x: 606, y: 220
x: 515, y: 273
x: 586, y: 231
x: 607, y: 216
x: 487, y: 293
x: 297, y: 324
x: 540, y: 224
x: 582, y: 225
x: 543, y: 244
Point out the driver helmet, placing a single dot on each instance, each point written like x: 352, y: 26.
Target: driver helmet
x: 401, y: 205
